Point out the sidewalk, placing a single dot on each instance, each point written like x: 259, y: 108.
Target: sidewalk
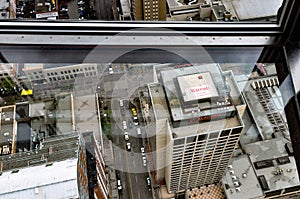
x: 110, y: 163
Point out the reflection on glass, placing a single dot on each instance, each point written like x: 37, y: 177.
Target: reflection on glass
x: 147, y: 10
x: 176, y: 128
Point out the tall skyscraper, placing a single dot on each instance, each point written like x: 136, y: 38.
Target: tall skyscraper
x: 154, y: 10
x: 92, y: 182
x: 197, y: 111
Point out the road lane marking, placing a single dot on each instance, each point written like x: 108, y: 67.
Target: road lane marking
x: 133, y: 164
x: 139, y: 195
x: 136, y: 180
x: 128, y: 173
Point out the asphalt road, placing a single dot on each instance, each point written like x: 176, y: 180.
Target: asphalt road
x: 129, y: 163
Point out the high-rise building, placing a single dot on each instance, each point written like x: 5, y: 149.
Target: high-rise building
x: 197, y: 111
x: 92, y: 183
x: 154, y: 10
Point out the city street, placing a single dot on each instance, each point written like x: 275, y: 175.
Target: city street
x: 133, y: 171
x: 129, y: 163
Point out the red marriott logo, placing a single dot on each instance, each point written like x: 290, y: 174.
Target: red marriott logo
x: 195, y: 90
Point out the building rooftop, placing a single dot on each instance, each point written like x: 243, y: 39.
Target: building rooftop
x: 265, y: 103
x: 207, y: 127
x: 197, y: 86
x: 187, y: 127
x: 56, y: 181
x: 250, y: 10
x: 158, y: 101
x: 275, y: 169
x: 174, y: 96
x: 240, y: 180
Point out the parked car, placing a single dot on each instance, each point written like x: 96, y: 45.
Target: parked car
x: 148, y: 181
x: 80, y: 3
x: 64, y: 8
x: 138, y: 131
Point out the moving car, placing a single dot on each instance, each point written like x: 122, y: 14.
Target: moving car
x: 144, y: 161
x: 124, y: 125
x: 126, y: 136
x: 110, y: 71
x: 143, y: 151
x: 121, y: 103
x: 119, y: 184
x: 128, y: 146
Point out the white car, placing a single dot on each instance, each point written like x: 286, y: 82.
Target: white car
x: 121, y: 103
x: 126, y: 136
x: 124, y: 125
x: 138, y: 130
x: 119, y: 185
x: 110, y: 71
x: 135, y: 120
x: 128, y: 145
x: 143, y: 151
x: 144, y: 161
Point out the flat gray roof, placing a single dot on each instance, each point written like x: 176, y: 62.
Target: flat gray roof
x: 271, y: 150
x: 56, y: 181
x: 197, y: 86
x: 173, y: 96
x: 249, y: 185
x: 249, y: 10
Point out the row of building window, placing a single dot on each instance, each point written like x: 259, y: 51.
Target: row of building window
x: 71, y: 76
x: 193, y: 175
x: 180, y: 143
x: 203, y: 148
x: 77, y: 70
x: 202, y: 155
x: 200, y: 164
